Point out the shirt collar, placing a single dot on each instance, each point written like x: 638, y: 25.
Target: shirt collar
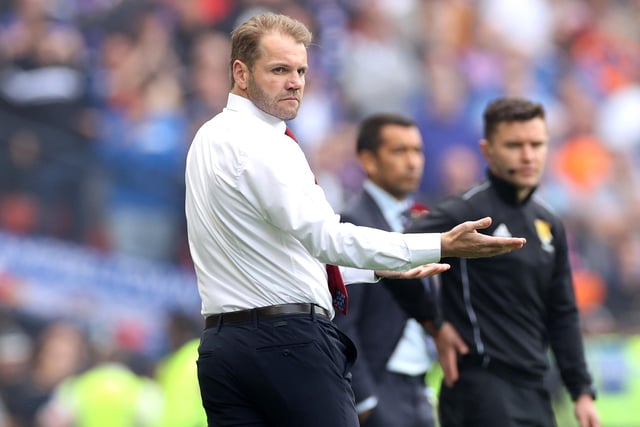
x: 244, y: 105
x: 391, y: 207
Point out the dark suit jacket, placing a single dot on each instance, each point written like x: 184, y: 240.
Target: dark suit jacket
x: 378, y: 312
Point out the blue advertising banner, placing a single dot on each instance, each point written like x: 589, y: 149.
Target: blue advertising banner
x: 120, y: 298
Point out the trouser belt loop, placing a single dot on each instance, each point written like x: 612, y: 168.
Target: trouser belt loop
x: 254, y: 318
x: 219, y: 325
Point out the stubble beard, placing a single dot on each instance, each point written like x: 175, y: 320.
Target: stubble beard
x: 269, y: 105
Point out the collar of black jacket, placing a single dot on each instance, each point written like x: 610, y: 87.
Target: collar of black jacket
x: 507, y: 191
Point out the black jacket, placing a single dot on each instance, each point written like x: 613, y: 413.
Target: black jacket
x: 513, y: 307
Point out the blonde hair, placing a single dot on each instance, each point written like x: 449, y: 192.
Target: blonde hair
x: 245, y: 39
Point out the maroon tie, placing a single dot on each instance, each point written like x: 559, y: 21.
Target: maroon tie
x: 334, y: 277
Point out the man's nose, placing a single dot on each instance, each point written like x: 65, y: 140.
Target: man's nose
x: 527, y: 152
x: 294, y: 81
x: 415, y: 160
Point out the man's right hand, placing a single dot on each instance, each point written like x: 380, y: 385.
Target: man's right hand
x: 464, y: 241
x: 449, y: 345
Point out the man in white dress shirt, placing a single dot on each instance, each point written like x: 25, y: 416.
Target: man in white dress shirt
x: 260, y: 232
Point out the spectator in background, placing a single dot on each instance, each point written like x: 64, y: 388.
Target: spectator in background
x: 443, y: 115
x: 208, y: 85
x: 142, y: 151
x: 596, y: 166
x: 501, y: 316
x: 528, y: 27
x: 393, y: 349
x: 333, y: 162
x: 4, y: 416
x: 374, y: 39
x: 177, y: 374
x: 44, y: 123
x: 142, y: 142
x: 192, y: 19
x: 459, y: 169
x: 579, y: 172
x: 108, y: 394
x: 61, y: 350
x: 16, y: 350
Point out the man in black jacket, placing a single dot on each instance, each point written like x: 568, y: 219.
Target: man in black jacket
x: 501, y: 315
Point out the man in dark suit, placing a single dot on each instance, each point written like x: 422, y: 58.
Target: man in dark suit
x: 393, y: 349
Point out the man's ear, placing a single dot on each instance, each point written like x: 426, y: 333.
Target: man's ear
x: 368, y: 161
x: 240, y: 74
x: 485, y: 149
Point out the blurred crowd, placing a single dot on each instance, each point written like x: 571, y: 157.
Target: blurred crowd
x: 55, y: 374
x: 99, y: 100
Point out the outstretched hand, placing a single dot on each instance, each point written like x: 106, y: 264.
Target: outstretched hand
x: 464, y: 241
x: 419, y: 272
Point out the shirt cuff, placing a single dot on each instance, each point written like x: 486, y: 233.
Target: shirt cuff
x: 369, y: 403
x: 356, y: 275
x: 588, y: 390
x: 424, y: 247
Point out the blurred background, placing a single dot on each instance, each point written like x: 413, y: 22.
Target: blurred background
x: 99, y: 101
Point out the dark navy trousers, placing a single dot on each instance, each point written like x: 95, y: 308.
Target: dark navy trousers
x: 285, y: 371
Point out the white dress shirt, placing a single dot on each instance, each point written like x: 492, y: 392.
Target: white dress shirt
x: 260, y: 229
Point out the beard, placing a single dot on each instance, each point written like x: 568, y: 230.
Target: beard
x: 266, y: 103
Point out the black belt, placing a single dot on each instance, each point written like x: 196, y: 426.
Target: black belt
x: 246, y: 316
